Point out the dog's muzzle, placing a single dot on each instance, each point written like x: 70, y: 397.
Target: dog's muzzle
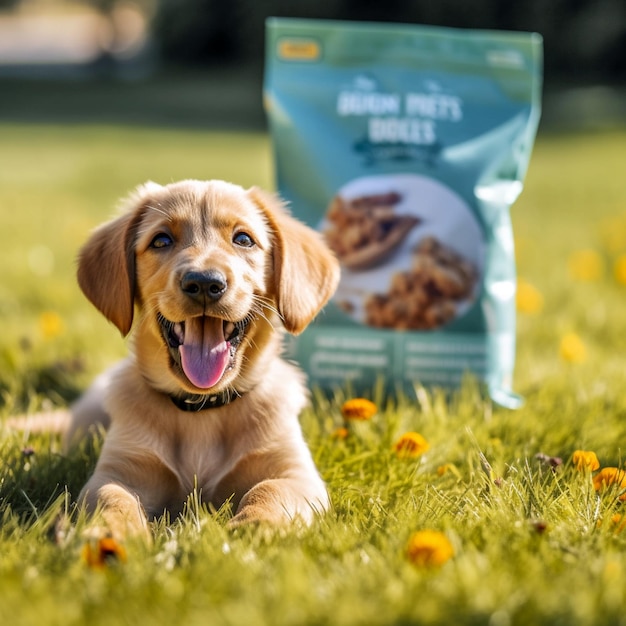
x: 203, y: 347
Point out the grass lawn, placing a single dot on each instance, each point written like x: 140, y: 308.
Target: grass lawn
x: 532, y: 541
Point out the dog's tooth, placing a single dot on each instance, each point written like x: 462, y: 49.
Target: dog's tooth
x: 229, y: 329
x: 179, y: 332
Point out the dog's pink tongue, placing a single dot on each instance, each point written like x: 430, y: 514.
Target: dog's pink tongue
x: 204, y: 353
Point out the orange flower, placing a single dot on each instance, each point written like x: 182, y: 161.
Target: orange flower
x: 429, y: 548
x: 358, y: 409
x: 410, y: 446
x: 619, y: 269
x: 618, y: 523
x: 340, y: 433
x: 102, y: 552
x: 442, y: 470
x: 609, y: 476
x: 585, y: 460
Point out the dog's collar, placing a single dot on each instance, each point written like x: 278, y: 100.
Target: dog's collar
x: 193, y: 403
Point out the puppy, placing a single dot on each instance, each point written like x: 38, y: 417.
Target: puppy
x: 207, y: 275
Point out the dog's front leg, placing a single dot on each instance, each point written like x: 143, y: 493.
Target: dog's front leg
x: 116, y: 510
x: 280, y: 500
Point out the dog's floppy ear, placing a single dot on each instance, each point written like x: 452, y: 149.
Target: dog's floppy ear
x: 106, y: 263
x: 306, y: 272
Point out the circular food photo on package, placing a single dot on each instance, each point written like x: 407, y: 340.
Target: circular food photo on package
x: 411, y: 251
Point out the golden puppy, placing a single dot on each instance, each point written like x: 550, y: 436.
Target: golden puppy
x: 207, y: 275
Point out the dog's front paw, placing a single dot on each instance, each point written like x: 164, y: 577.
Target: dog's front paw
x: 115, y: 512
x: 255, y: 516
x: 278, y: 502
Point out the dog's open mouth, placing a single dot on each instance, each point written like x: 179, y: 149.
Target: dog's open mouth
x: 203, y: 347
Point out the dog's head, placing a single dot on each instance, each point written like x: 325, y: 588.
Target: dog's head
x: 208, y: 270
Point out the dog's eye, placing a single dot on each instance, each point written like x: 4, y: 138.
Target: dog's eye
x: 161, y: 241
x: 244, y: 240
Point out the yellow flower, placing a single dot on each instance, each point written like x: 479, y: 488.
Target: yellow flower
x: 528, y: 298
x: 586, y: 265
x: 358, y: 409
x: 429, y: 548
x: 51, y: 324
x: 619, y: 269
x: 100, y: 553
x: 585, y: 460
x: 609, y: 476
x: 410, y: 446
x: 572, y: 348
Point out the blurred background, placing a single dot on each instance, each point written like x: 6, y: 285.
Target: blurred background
x: 97, y: 96
x: 200, y: 62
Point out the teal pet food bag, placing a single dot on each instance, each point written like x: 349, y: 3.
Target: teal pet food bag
x: 406, y: 147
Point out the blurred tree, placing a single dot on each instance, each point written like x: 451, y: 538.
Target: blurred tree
x: 580, y: 36
x: 197, y: 31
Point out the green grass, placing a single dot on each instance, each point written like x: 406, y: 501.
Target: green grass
x: 532, y: 545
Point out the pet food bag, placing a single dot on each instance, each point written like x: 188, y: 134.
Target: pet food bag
x: 406, y: 147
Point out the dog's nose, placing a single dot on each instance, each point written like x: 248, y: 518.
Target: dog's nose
x: 201, y: 285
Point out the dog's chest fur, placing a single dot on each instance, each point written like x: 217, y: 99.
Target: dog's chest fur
x: 202, y: 450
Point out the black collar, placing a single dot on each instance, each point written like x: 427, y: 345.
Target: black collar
x: 193, y: 403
